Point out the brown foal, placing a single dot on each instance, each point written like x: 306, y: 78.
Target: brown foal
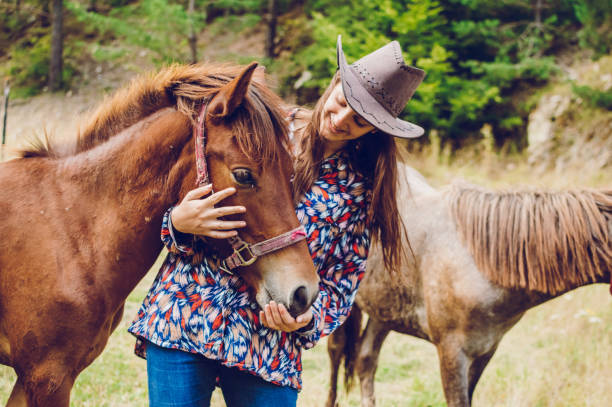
x: 81, y: 221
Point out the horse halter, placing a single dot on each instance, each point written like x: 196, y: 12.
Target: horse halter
x: 244, y: 253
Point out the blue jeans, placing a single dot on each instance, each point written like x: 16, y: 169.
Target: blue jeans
x: 184, y: 379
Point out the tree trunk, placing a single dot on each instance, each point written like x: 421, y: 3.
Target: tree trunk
x: 7, y: 91
x: 193, y: 40
x: 538, y: 14
x: 272, y: 14
x: 56, y: 64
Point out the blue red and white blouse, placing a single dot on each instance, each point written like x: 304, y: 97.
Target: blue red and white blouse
x: 198, y: 309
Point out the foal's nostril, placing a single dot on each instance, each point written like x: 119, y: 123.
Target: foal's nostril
x: 300, y: 301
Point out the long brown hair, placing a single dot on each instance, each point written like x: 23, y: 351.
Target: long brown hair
x: 374, y: 155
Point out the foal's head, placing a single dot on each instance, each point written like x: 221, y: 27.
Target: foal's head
x: 247, y: 148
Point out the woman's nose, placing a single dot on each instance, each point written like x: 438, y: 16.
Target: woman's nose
x: 343, y: 116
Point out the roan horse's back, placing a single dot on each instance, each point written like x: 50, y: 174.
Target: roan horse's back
x: 440, y: 261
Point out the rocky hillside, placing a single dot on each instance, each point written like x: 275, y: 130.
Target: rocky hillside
x: 565, y: 132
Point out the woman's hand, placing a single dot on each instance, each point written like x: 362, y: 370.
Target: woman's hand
x: 276, y: 316
x: 200, y: 217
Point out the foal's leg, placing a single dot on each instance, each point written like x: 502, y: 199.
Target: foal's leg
x: 48, y: 385
x: 335, y: 348
x: 367, y: 359
x: 18, y: 396
x: 454, y: 366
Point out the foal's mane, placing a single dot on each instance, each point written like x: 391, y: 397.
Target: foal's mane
x: 184, y: 87
x: 537, y: 240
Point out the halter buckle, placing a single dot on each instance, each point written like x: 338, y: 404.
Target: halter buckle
x: 247, y: 248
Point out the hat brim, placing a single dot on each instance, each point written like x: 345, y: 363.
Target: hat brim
x: 366, y: 106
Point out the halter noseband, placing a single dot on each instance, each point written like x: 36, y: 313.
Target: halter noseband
x: 244, y: 253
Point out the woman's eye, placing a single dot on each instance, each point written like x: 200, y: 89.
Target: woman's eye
x: 360, y: 122
x: 244, y: 177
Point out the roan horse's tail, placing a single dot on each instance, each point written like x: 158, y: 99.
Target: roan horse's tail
x: 352, y: 329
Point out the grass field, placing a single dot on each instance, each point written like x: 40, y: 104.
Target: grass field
x: 558, y: 355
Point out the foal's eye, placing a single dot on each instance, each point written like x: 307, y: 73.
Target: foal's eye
x: 243, y: 177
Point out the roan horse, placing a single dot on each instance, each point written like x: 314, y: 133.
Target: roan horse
x: 81, y: 224
x: 481, y: 260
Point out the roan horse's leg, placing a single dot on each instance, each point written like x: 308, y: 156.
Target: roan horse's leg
x: 367, y: 359
x: 454, y: 367
x: 343, y: 343
x: 335, y: 348
x: 475, y: 371
x: 460, y: 372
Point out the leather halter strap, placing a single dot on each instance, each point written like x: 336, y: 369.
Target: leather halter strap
x: 200, y: 146
x: 244, y: 253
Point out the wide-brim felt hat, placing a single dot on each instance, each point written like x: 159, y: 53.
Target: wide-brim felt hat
x: 378, y: 86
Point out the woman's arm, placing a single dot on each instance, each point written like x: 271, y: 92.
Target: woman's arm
x: 338, y: 288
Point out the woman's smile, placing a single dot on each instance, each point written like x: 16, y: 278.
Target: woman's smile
x: 332, y: 126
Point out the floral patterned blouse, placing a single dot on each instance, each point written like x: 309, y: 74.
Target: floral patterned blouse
x: 199, y: 309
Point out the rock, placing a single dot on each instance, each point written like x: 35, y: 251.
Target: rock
x: 541, y: 127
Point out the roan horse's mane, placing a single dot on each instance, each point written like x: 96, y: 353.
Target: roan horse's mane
x: 183, y: 87
x: 543, y: 241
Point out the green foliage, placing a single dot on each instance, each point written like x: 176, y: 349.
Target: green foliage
x: 593, y: 97
x: 477, y: 53
x: 156, y: 25
x: 596, y: 19
x: 480, y: 55
x: 29, y: 64
x: 241, y: 6
x: 108, y: 30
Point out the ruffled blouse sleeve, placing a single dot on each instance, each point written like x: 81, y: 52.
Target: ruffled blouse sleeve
x: 338, y: 284
x: 176, y: 242
x: 339, y: 240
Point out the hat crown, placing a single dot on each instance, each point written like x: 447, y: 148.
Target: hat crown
x: 378, y: 86
x: 385, y: 75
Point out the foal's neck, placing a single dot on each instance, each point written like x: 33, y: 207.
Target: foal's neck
x: 124, y: 186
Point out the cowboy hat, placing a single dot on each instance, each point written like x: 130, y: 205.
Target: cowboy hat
x: 378, y: 86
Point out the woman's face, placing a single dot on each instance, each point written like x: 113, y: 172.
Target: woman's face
x: 340, y: 123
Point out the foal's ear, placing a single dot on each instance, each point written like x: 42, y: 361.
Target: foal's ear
x: 259, y: 75
x: 232, y: 95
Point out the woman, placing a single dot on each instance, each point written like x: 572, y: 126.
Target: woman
x: 345, y: 180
